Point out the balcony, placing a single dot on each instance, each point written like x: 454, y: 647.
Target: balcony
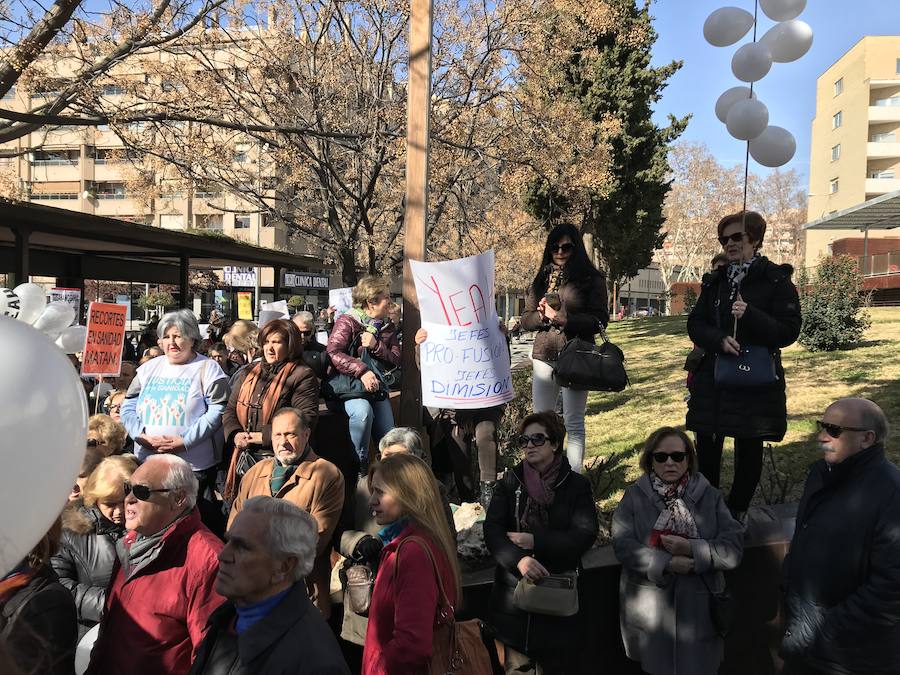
x: 880, y: 186
x: 882, y: 114
x: 879, y: 264
x: 882, y: 150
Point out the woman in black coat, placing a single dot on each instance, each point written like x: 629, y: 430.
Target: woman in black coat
x: 758, y: 298
x: 87, y: 551
x: 540, y: 521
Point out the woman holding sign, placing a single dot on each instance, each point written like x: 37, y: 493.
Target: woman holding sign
x: 567, y: 299
x: 363, y: 338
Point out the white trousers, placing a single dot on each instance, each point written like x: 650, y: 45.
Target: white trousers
x: 545, y: 393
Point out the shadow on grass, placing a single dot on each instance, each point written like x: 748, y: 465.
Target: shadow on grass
x: 607, y: 474
x: 654, y: 327
x: 607, y: 401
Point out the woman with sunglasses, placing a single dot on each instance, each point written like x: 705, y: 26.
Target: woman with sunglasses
x: 674, y: 536
x: 91, y: 529
x: 751, y: 301
x: 280, y: 379
x: 567, y: 299
x: 540, y: 521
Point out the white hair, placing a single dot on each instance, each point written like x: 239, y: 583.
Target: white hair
x: 184, y: 320
x: 179, y: 477
x: 407, y: 437
x: 292, y: 531
x: 306, y: 317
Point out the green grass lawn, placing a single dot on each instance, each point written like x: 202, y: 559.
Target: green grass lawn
x: 655, y: 349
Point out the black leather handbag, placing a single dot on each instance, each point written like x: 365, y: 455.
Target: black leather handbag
x: 753, y: 367
x: 721, y: 609
x: 583, y: 365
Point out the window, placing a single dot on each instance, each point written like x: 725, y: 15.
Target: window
x: 886, y: 174
x: 898, y: 66
x: 56, y: 196
x: 885, y: 137
x: 111, y: 191
x: 102, y: 127
x: 833, y: 186
x: 836, y: 153
x: 839, y: 86
x: 886, y: 102
x: 240, y: 152
x: 112, y: 90
x: 55, y: 157
x: 207, y: 192
x: 113, y: 155
x: 209, y: 222
x: 837, y: 120
x: 242, y: 222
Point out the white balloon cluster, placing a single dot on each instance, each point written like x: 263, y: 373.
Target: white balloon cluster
x: 746, y: 117
x: 28, y: 303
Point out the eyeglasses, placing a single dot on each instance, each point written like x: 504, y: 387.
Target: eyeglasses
x: 562, y: 248
x: 142, y: 492
x: 305, y: 333
x: 835, y: 430
x: 114, y: 408
x: 537, y: 440
x: 661, y: 457
x: 735, y: 237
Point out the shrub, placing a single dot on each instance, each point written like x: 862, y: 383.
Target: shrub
x: 690, y: 299
x: 833, y: 305
x: 296, y: 301
x: 154, y: 300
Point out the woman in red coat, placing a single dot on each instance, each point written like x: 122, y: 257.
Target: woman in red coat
x: 407, y: 608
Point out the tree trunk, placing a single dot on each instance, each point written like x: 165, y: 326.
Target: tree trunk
x: 348, y: 267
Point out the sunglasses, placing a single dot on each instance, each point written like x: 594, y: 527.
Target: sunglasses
x: 735, y: 237
x: 537, y: 440
x: 661, y: 457
x: 304, y: 333
x: 562, y: 248
x: 835, y: 430
x: 142, y: 492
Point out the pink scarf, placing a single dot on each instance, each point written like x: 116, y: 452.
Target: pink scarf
x: 540, y: 486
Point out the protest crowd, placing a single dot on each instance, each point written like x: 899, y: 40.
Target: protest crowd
x: 207, y: 531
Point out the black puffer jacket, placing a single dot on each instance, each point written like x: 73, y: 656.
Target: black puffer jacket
x: 37, y: 627
x: 772, y: 320
x: 85, y: 561
x: 572, y: 531
x: 843, y: 569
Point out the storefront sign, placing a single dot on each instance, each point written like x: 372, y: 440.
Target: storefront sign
x: 305, y: 280
x: 239, y: 276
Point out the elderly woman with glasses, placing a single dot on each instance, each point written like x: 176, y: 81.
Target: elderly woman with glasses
x: 749, y: 302
x: 674, y: 536
x: 175, y: 402
x: 540, y: 521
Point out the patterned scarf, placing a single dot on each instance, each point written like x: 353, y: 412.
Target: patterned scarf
x: 12, y: 582
x: 281, y: 474
x: 675, y: 518
x: 541, y: 490
x: 736, y: 271
x: 555, y: 278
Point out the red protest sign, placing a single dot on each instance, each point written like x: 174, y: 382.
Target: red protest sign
x: 105, y: 337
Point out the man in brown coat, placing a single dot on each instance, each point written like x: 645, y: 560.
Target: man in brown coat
x: 303, y: 478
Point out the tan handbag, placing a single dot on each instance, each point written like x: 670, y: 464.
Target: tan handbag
x: 457, y: 647
x: 554, y: 595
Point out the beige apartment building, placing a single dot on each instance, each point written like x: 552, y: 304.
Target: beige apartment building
x: 855, y: 144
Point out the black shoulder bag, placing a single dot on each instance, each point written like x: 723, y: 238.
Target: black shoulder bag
x: 583, y: 365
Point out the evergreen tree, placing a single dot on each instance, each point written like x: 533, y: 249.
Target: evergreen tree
x: 615, y: 84
x: 833, y: 305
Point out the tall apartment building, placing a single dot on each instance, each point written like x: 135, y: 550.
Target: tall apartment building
x: 855, y: 145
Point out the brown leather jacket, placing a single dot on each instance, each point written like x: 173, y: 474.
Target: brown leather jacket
x: 583, y: 309
x: 346, y: 330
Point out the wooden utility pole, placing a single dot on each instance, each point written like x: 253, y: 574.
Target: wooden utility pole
x: 417, y: 132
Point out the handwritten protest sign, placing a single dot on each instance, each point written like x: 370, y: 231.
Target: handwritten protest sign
x: 105, y: 337
x: 465, y: 360
x: 341, y: 299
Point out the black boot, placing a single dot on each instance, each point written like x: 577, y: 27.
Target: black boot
x: 486, y: 492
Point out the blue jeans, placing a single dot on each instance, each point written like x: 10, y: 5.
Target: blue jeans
x: 365, y: 418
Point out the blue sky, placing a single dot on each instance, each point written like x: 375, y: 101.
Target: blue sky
x: 789, y: 90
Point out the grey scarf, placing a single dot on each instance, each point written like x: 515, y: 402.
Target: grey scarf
x: 136, y: 551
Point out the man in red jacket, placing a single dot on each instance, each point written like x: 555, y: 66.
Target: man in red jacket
x: 162, y: 589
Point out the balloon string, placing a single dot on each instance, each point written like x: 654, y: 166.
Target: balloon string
x: 747, y: 154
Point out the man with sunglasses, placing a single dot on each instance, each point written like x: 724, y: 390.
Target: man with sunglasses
x: 843, y: 570
x: 314, y: 354
x: 162, y: 591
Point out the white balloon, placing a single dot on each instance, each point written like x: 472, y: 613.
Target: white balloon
x: 83, y: 650
x: 782, y: 10
x: 727, y: 25
x: 9, y: 303
x: 43, y: 424
x: 751, y: 62
x: 72, y: 338
x: 788, y: 41
x: 774, y: 147
x: 55, y: 317
x: 747, y: 119
x: 729, y: 98
x: 32, y: 300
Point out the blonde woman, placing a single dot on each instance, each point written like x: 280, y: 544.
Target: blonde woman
x: 87, y: 549
x: 366, y: 328
x: 106, y: 434
x: 404, y: 613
